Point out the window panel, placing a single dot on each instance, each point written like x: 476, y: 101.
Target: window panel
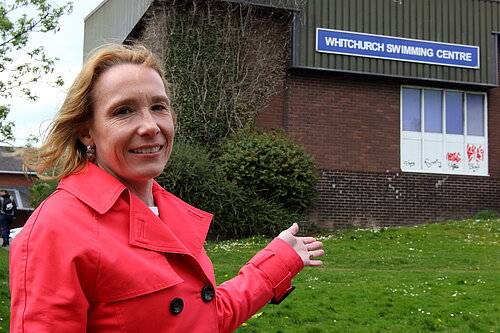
x: 411, y: 157
x: 433, y: 114
x: 475, y: 114
x: 411, y: 110
x: 461, y: 114
x: 455, y: 157
x: 433, y: 156
x: 454, y: 113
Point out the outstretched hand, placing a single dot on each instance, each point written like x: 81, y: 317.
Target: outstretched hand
x: 308, y: 248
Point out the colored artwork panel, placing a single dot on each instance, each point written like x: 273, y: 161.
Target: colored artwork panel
x: 476, y: 158
x: 454, y: 157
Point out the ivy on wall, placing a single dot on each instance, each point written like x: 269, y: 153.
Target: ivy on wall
x: 224, y: 60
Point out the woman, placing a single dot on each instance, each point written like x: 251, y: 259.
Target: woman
x: 110, y: 250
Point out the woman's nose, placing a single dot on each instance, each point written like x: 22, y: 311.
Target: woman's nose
x: 148, y: 125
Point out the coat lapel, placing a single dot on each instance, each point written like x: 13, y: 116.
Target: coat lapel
x: 149, y: 232
x: 180, y: 227
x: 83, y: 186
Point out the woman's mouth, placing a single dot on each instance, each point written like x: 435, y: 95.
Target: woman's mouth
x: 148, y: 150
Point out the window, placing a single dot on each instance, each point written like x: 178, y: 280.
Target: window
x: 443, y: 131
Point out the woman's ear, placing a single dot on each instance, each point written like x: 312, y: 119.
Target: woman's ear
x: 85, y: 137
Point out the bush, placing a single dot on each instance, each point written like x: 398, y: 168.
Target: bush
x: 41, y: 190
x: 486, y: 215
x: 194, y: 175
x: 270, y: 164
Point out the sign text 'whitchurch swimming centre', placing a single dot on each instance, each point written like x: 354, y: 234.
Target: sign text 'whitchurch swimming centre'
x: 395, y: 48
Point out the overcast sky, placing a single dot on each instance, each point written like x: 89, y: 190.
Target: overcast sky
x: 67, y: 45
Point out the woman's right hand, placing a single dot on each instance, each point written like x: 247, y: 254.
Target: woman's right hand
x: 308, y: 248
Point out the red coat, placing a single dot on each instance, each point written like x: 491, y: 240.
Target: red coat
x: 94, y: 258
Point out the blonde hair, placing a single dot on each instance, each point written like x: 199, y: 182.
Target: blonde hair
x: 62, y: 153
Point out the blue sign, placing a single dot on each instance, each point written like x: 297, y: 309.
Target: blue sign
x: 395, y: 48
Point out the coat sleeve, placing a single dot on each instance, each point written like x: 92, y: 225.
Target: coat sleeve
x: 52, y: 270
x: 267, y: 276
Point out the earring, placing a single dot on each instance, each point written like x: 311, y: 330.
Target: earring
x: 90, y: 152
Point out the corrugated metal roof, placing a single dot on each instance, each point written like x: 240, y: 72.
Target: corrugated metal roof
x: 111, y: 22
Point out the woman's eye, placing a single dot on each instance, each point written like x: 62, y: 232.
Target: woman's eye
x: 122, y: 112
x: 159, y: 107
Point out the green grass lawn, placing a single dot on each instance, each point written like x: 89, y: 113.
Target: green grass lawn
x: 436, y: 277
x: 4, y: 290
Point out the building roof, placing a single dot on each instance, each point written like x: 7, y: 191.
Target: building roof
x: 112, y: 21
x: 9, y: 162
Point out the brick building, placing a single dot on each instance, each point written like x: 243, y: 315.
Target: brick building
x: 398, y: 101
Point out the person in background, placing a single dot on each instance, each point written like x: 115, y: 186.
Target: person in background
x: 112, y: 251
x: 8, y: 211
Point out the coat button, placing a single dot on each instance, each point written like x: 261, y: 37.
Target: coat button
x: 176, y: 306
x: 207, y: 294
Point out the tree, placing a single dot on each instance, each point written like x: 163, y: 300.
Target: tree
x: 41, y: 190
x: 15, y: 29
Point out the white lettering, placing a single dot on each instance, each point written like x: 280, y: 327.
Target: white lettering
x: 331, y: 41
x: 394, y: 48
x: 402, y: 49
x: 410, y: 50
x: 341, y: 42
x: 354, y: 44
x: 373, y: 46
x: 454, y: 55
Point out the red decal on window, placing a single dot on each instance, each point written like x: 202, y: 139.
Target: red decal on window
x: 475, y: 153
x: 454, y: 157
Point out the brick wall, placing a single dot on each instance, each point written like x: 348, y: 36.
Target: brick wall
x: 345, y: 122
x: 351, y: 125
x: 14, y: 180
x: 493, y: 132
x: 391, y: 199
x: 273, y: 115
